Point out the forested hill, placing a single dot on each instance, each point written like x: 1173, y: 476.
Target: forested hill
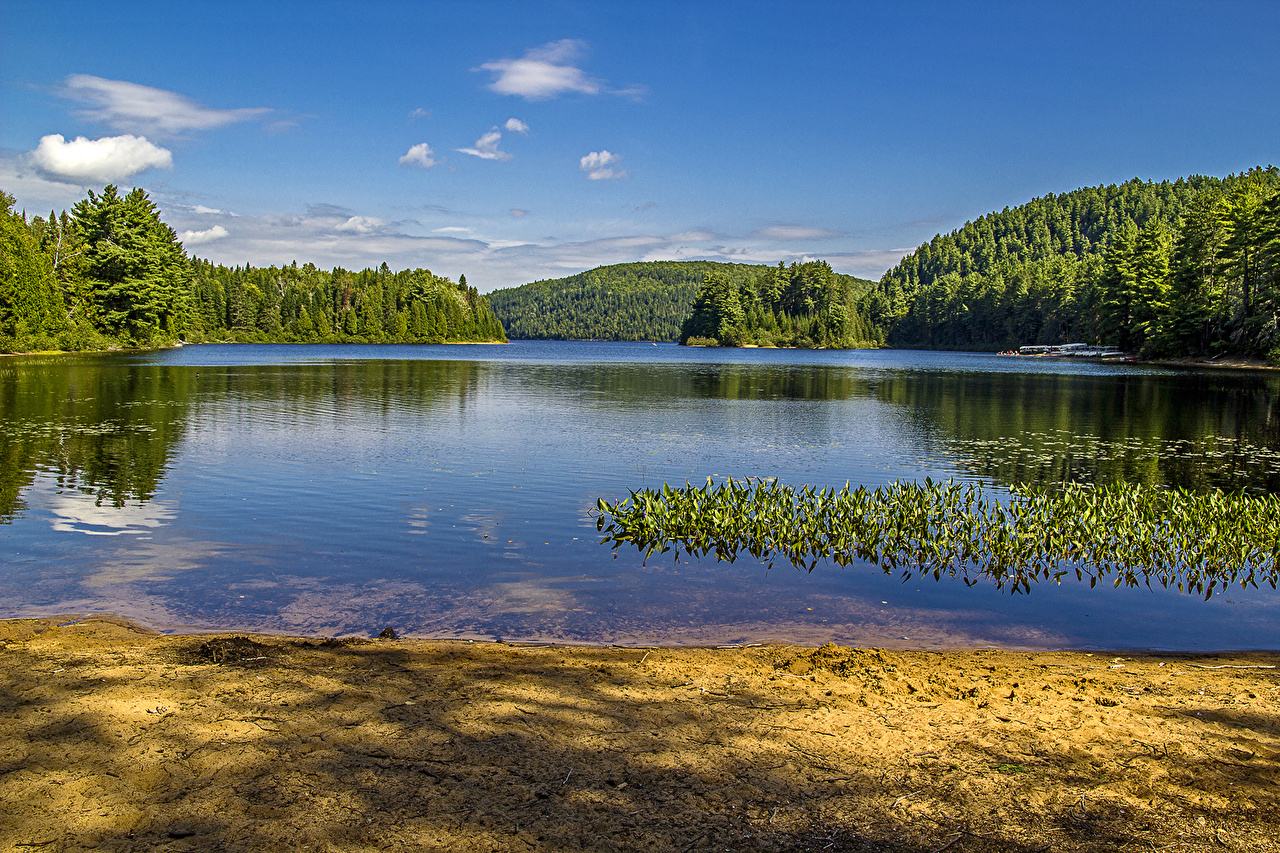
x: 644, y: 301
x: 1173, y: 268
x: 110, y: 273
x: 622, y: 302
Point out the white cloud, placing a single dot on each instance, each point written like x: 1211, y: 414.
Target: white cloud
x: 794, y: 232
x: 207, y: 211
x: 419, y: 112
x: 451, y: 229
x: 519, y: 212
x: 515, y: 125
x: 208, y: 235
x: 132, y: 106
x: 601, y: 165
x: 543, y: 72
x: 360, y: 225
x: 419, y: 155
x: 486, y: 147
x: 110, y: 158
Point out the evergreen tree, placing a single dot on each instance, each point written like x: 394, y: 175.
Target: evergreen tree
x: 136, y: 269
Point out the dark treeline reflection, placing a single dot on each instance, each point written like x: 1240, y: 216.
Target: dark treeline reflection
x: 1192, y: 430
x: 1195, y: 430
x: 106, y: 431
x: 647, y: 386
x: 110, y: 428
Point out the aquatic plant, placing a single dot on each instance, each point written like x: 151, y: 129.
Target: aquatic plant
x: 1199, y: 542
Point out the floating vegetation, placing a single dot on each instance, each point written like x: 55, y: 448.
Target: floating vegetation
x: 1198, y: 542
x: 1059, y: 455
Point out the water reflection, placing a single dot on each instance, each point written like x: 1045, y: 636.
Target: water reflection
x: 109, y: 431
x: 448, y: 495
x: 75, y: 512
x: 1196, y: 430
x: 100, y: 430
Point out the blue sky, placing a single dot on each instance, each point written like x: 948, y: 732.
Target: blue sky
x: 745, y: 131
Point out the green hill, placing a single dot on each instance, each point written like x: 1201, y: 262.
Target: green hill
x: 1170, y: 268
x: 646, y: 301
x: 621, y: 302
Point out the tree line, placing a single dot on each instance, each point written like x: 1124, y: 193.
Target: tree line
x: 802, y: 305
x: 110, y: 273
x: 1174, y: 268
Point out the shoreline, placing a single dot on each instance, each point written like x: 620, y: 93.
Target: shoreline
x: 120, y: 350
x: 756, y: 635
x: 118, y: 737
x: 1240, y: 364
x: 1217, y: 364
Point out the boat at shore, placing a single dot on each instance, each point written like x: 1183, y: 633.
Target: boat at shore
x: 1070, y: 351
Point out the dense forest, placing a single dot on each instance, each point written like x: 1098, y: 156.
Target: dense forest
x: 110, y: 273
x: 621, y: 302
x: 1176, y: 268
x: 307, y: 305
x: 802, y: 305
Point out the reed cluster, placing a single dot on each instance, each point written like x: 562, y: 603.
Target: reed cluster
x: 1198, y: 542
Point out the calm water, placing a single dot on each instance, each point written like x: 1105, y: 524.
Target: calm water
x: 445, y: 490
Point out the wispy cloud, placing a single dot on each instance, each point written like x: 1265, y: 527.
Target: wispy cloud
x: 486, y: 147
x: 419, y: 155
x: 695, y: 235
x: 549, y: 71
x: 134, y: 107
x: 519, y: 212
x: 794, y: 232
x: 208, y: 235
x: 601, y: 165
x: 111, y: 158
x: 419, y: 112
x: 543, y: 72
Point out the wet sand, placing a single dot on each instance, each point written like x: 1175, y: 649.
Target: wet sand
x: 116, y: 738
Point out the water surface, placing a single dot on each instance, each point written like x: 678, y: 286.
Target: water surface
x: 446, y: 490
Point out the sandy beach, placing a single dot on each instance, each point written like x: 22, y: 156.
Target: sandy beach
x: 116, y: 738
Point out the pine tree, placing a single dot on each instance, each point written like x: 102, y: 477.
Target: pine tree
x: 137, y: 271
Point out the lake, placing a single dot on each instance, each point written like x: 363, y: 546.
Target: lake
x: 446, y: 490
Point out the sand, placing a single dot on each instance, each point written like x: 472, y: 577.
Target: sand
x: 116, y: 738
